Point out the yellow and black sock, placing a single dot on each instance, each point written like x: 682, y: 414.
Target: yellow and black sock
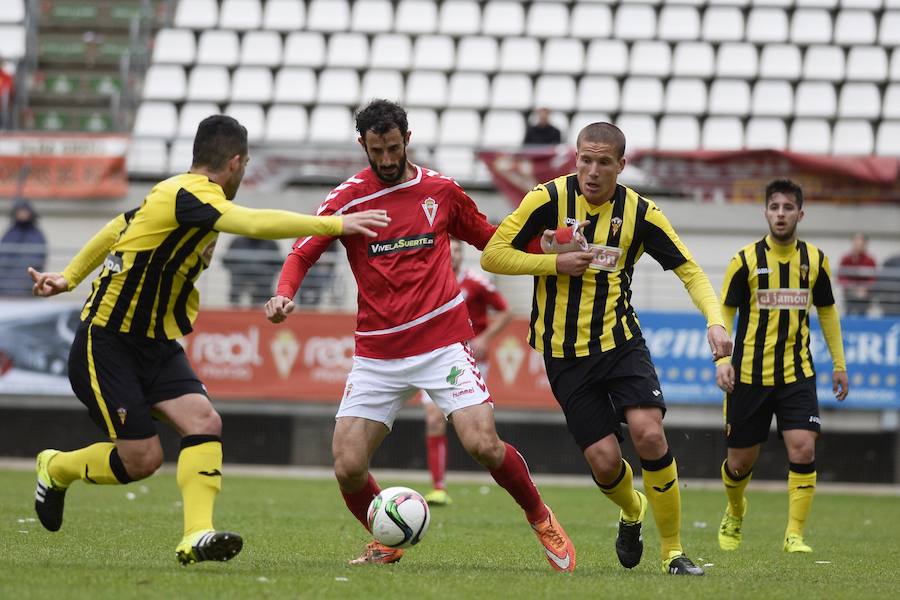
x: 801, y: 488
x: 661, y: 485
x: 199, y: 476
x: 734, y: 489
x: 98, y: 463
x: 621, y: 491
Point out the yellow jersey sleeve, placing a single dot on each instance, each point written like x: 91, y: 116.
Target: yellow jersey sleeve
x: 831, y: 329
x: 701, y: 292
x: 92, y: 254
x: 275, y: 224
x: 505, y: 252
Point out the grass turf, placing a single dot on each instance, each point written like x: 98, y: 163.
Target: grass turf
x: 119, y: 542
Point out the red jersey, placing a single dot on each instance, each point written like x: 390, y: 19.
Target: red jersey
x: 409, y: 300
x: 480, y: 294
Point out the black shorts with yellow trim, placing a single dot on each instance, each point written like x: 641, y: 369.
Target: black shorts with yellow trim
x: 749, y: 409
x: 119, y: 377
x: 594, y: 391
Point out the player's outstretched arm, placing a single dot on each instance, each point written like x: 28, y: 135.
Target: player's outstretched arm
x: 278, y: 308
x: 275, y: 224
x: 365, y: 222
x: 47, y: 284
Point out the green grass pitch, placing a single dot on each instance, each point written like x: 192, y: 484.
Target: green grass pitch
x: 119, y: 542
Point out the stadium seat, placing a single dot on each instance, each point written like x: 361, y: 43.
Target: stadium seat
x: 889, y: 30
x: 501, y: 19
x: 503, y: 128
x: 512, y: 91
x: 766, y: 25
x: 580, y: 120
x: 818, y: 3
x: 824, y: 62
x: 679, y: 23
x: 812, y: 136
x: 723, y: 24
x: 854, y: 27
x: 434, y: 52
x: 197, y: 14
x: 866, y: 4
x: 372, y: 16
x: 815, y: 99
x: 468, y: 90
x: 891, y: 105
x: 556, y: 92
x: 639, y: 130
x: 426, y: 88
x: 458, y: 161
x: 190, y: 116
x: 598, y: 94
x: 729, y: 97
x: 867, y: 63
x: 181, y: 155
x: 286, y: 124
x: 738, y: 60
x: 853, y: 137
x: 240, y: 14
x: 295, y: 84
x: 563, y: 55
x: 338, y: 86
x: 252, y: 84
x: 261, y: 48
x: 416, y: 16
x: 652, y: 58
x: 894, y: 74
x: 377, y: 83
x: 349, y: 50
x: 591, y: 21
x: 811, y: 26
x: 887, y: 142
x: 780, y: 61
x: 250, y: 116
x: 155, y: 119
x: 642, y: 95
x: 693, y: 59
x: 678, y: 133
x: 12, y: 11
x: 476, y: 53
x: 331, y: 124
x: 520, y: 55
x: 304, y: 49
x: 722, y: 133
x: 328, y: 15
x: 284, y: 15
x: 208, y: 83
x: 165, y: 82
x: 685, y: 96
x: 459, y: 127
x: 175, y: 46
x: 546, y: 20
x: 859, y: 100
x: 635, y: 22
x: 765, y: 134
x: 391, y: 51
x: 606, y: 57
x: 218, y: 47
x: 147, y: 157
x: 423, y: 122
x: 772, y: 99
x: 459, y: 17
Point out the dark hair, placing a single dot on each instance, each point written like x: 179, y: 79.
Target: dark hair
x: 604, y: 133
x: 218, y: 138
x: 785, y: 186
x: 380, y: 116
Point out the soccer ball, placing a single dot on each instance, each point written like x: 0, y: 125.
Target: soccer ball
x: 398, y: 517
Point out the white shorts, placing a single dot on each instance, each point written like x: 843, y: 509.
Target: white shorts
x: 482, y: 366
x: 377, y: 388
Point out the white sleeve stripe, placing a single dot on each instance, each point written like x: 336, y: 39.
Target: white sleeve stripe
x: 418, y: 321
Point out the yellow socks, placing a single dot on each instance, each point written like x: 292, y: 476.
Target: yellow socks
x: 621, y: 491
x: 734, y: 489
x: 661, y: 486
x: 97, y: 463
x: 199, y: 476
x: 801, y: 488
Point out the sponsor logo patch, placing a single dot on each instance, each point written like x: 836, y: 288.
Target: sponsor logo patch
x: 607, y: 258
x: 782, y: 299
x: 113, y: 263
x: 404, y: 244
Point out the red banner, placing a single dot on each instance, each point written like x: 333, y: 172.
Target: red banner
x: 741, y: 176
x: 35, y: 165
x: 515, y: 173
x: 239, y: 355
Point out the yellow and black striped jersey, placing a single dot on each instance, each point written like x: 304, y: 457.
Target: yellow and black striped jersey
x: 580, y: 316
x: 773, y: 286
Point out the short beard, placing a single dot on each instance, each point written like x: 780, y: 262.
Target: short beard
x: 401, y: 170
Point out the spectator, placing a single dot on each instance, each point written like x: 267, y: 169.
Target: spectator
x: 252, y: 265
x: 887, y: 287
x: 22, y: 246
x: 856, y: 275
x: 542, y: 133
x: 7, y: 89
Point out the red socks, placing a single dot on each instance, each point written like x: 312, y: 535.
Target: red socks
x: 358, y: 502
x: 437, y: 459
x: 513, y: 476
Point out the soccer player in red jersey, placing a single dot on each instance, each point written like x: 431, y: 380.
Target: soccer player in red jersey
x: 481, y: 297
x: 412, y: 325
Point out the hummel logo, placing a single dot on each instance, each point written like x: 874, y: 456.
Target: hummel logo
x: 664, y: 488
x: 562, y: 563
x: 656, y: 392
x: 213, y: 473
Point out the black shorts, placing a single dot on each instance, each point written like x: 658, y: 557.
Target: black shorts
x: 749, y: 409
x: 119, y: 377
x: 594, y: 390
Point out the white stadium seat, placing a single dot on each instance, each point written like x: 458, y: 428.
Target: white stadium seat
x: 815, y: 99
x: 818, y: 3
x: 859, y: 100
x: 459, y: 17
x: 887, y: 142
x: 765, y: 134
x: 563, y: 55
x: 328, y: 15
x: 640, y: 131
x: 165, y: 82
x: 772, y: 99
x: 894, y: 73
x: 811, y: 26
x: 286, y: 124
x: 155, y: 119
x: 766, y: 25
x: 331, y: 124
x: 304, y: 49
x: 459, y: 161
x: 250, y: 116
x: 824, y: 62
x: 635, y: 22
x: 723, y: 24
x: 891, y: 106
x: 217, y: 47
x: 434, y: 52
x: 391, y: 51
x: 867, y: 4
x: 685, y: 96
x: 468, y: 90
x: 378, y: 83
x: 679, y: 23
x: 416, y: 16
x: 642, y: 95
x: 284, y: 15
x: 598, y: 93
x: 855, y: 27
x: 423, y: 123
x: 197, y: 14
x: 650, y: 58
x: 780, y: 61
x: 811, y: 136
x: 606, y: 57
x: 147, y: 157
x: 372, y: 16
x: 512, y: 91
x: 722, y: 133
x: 261, y: 48
x: 181, y: 155
x: 556, y: 92
x: 867, y: 63
x: 12, y: 11
x: 503, y: 128
x: 477, y: 53
x: 209, y: 83
x: 520, y: 55
x: 350, y: 50
x: 295, y: 84
x: 591, y: 21
x: 547, y: 20
x: 501, y: 18
x: 240, y: 14
x: 729, y: 97
x: 738, y: 60
x: 580, y: 120
x: 426, y: 88
x: 459, y: 127
x: 853, y: 137
x: 190, y: 116
x: 889, y: 30
x: 678, y: 133
x: 175, y: 46
x: 252, y: 84
x: 338, y: 86
x: 693, y: 59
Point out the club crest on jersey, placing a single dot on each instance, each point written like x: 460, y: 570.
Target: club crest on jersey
x: 122, y: 414
x: 430, y: 206
x: 615, y: 224
x: 804, y: 271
